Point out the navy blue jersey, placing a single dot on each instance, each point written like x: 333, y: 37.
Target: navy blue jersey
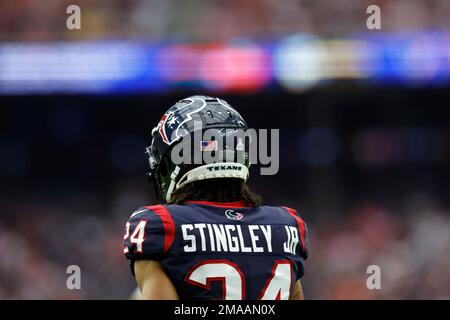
x: 221, y: 250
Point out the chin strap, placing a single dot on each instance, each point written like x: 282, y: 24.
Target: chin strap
x: 215, y: 170
x: 173, y: 177
x: 208, y: 171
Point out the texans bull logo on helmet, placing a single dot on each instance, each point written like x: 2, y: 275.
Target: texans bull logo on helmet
x: 177, y: 121
x: 174, y: 119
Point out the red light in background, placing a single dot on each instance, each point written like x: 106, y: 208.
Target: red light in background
x: 235, y: 68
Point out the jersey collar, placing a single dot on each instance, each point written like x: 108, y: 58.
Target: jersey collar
x: 235, y: 204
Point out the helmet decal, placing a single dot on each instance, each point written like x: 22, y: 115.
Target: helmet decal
x: 173, y: 120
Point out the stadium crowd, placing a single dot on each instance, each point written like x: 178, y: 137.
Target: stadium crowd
x: 45, y: 20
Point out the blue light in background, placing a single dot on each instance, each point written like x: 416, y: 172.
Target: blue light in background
x: 296, y: 63
x: 319, y: 147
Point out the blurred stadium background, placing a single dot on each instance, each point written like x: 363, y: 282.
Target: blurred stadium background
x: 364, y: 118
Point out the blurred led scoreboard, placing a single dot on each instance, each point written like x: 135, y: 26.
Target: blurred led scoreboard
x: 295, y: 63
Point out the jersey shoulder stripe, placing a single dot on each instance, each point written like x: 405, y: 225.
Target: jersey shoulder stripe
x: 168, y: 224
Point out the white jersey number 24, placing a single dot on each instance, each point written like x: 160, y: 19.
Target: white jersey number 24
x: 277, y: 287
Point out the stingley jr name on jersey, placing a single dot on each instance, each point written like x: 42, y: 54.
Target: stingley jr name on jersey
x: 221, y: 250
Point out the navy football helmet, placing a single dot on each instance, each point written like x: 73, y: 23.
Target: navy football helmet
x: 181, y: 122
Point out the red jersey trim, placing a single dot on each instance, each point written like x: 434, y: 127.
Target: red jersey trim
x: 168, y: 224
x: 235, y: 204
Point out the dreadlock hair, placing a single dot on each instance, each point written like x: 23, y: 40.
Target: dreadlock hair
x: 216, y: 190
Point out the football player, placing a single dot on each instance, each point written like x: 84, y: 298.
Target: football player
x: 210, y: 237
